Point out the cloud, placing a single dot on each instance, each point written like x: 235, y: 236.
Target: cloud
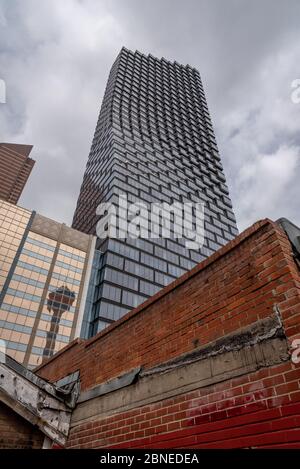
x: 260, y: 144
x: 55, y: 72
x: 264, y: 182
x: 55, y: 58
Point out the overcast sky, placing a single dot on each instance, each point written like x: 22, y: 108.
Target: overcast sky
x: 55, y: 58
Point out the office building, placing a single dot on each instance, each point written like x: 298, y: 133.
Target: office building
x: 45, y: 269
x: 154, y: 142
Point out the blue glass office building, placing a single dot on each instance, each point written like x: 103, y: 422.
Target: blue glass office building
x: 154, y: 142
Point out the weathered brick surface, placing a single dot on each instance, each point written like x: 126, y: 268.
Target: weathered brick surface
x: 257, y: 410
x: 243, y: 282
x: 17, y: 433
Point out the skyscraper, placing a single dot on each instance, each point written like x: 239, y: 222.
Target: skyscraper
x: 154, y: 142
x: 15, y: 168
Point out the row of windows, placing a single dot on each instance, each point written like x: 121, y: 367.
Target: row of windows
x: 18, y: 310
x: 46, y: 259
x: 34, y: 268
x: 15, y: 327
x: 190, y: 183
x: 63, y: 322
x: 147, y: 70
x: 132, y: 299
x: 68, y: 267
x: 37, y: 351
x: 41, y: 244
x: 148, y: 288
x: 72, y: 255
x: 166, y: 90
x: 41, y: 351
x: 36, y: 255
x: 59, y: 337
x: 122, y: 248
x: 14, y: 212
x: 16, y: 346
x: 143, y: 271
x: 165, y: 116
x: 108, y: 311
x: 97, y: 326
x: 154, y: 262
x: 23, y: 295
x: 120, y: 278
x: 177, y: 246
x: 163, y: 279
x: 185, y: 185
x: 144, y: 116
x: 139, y: 270
x: 155, y: 68
x: 179, y: 168
x: 157, y: 109
x: 66, y: 279
x: 32, y: 314
x: 187, y: 165
x: 165, y: 135
x: 59, y: 306
x: 113, y: 293
x: 28, y: 281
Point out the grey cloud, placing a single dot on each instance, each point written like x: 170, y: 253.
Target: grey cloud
x: 55, y: 57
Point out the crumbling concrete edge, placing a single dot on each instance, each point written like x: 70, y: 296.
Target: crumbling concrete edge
x: 259, y: 331
x: 263, y: 344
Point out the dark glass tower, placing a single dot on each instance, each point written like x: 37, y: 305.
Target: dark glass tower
x: 154, y: 141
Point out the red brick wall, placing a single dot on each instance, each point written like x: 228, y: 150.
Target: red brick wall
x: 17, y: 433
x: 235, y: 287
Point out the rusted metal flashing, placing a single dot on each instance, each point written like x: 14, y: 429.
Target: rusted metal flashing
x: 109, y: 386
x: 68, y: 380
x: 69, y: 388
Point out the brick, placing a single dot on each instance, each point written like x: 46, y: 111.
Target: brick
x: 16, y: 432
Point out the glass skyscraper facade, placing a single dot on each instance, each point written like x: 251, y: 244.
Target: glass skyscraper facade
x: 45, y: 268
x: 154, y: 142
